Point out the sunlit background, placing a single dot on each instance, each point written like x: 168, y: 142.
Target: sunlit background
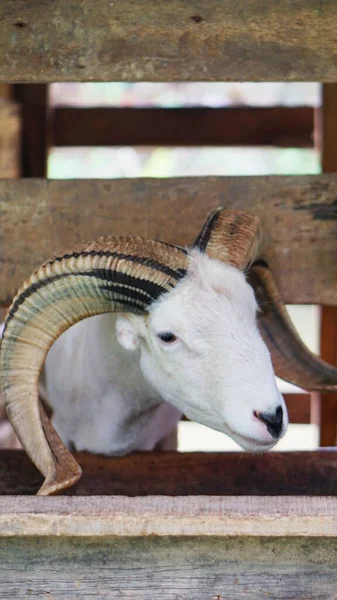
x: 121, y: 162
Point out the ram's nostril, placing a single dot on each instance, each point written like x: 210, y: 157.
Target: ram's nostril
x: 279, y: 414
x: 273, y: 421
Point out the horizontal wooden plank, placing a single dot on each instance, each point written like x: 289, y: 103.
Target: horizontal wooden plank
x: 39, y: 218
x: 207, y: 569
x: 169, y: 516
x: 250, y: 40
x: 157, y: 568
x: 232, y: 126
x: 185, y: 474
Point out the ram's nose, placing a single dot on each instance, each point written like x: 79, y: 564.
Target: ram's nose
x: 273, y: 421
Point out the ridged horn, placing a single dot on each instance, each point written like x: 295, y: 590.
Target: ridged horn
x: 232, y: 236
x: 235, y: 238
x: 292, y: 360
x: 107, y: 275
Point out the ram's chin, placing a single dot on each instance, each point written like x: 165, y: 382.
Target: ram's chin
x: 251, y: 444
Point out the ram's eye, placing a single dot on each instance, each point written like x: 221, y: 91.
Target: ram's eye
x: 167, y: 337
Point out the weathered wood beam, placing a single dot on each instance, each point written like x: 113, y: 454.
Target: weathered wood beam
x: 168, y: 568
x: 184, y: 474
x: 232, y: 126
x: 169, y: 516
x: 249, y: 40
x: 39, y: 218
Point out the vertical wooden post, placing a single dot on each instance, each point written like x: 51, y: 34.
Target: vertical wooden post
x: 5, y: 91
x: 9, y: 135
x: 327, y: 134
x: 35, y: 130
x: 10, y: 132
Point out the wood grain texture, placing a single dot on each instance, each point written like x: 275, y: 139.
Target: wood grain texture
x: 230, y: 516
x: 168, y: 568
x: 186, y: 474
x: 10, y: 126
x: 299, y: 215
x: 193, y: 126
x: 136, y: 40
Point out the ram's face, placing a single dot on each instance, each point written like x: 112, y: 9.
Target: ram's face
x: 201, y: 349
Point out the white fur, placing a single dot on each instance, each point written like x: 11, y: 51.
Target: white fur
x: 114, y: 386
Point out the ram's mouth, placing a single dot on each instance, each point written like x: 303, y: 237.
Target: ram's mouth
x: 247, y: 442
x: 250, y: 443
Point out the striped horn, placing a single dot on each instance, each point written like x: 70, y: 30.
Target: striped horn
x: 235, y: 238
x: 107, y: 275
x: 232, y: 236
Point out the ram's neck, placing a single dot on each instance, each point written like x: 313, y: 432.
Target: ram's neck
x: 100, y: 399
x: 113, y: 367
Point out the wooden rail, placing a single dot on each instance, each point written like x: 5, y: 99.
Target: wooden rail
x: 248, y: 40
x: 152, y: 567
x: 185, y: 474
x: 166, y: 546
x: 231, y: 126
x: 175, y: 516
x: 299, y: 214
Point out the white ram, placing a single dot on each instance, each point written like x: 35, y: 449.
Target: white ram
x: 118, y: 383
x: 196, y: 342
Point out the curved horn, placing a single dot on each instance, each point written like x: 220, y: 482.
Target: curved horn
x: 292, y: 360
x: 231, y: 236
x: 235, y: 238
x: 107, y: 275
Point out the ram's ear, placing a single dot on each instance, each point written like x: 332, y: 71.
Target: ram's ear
x: 127, y: 333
